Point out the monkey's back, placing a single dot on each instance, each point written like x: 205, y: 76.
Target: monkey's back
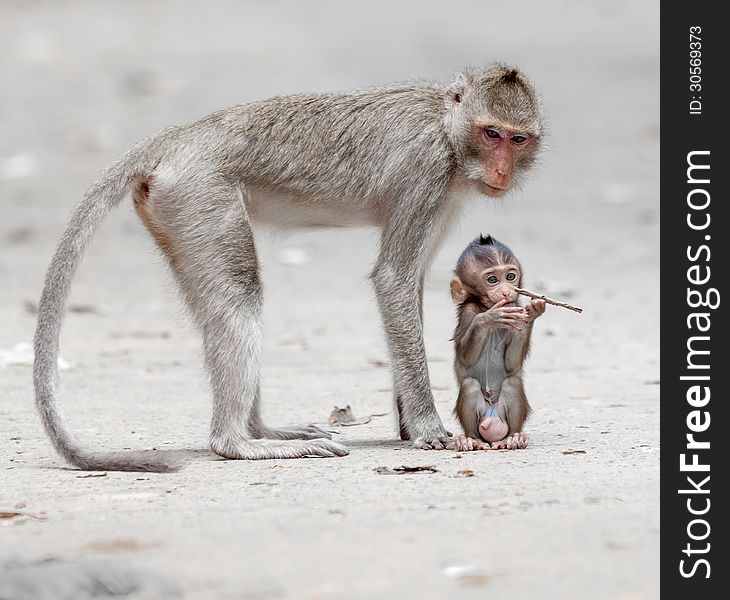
x: 359, y: 144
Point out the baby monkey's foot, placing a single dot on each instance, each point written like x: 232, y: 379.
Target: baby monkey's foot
x: 512, y: 442
x: 463, y: 443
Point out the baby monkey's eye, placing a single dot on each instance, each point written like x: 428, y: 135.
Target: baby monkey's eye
x: 519, y: 139
x: 492, y: 279
x: 511, y: 276
x: 492, y: 133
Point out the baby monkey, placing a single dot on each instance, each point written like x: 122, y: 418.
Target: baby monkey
x: 491, y: 342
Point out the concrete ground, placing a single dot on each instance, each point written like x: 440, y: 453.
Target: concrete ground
x: 82, y: 81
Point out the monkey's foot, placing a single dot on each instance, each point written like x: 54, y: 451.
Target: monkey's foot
x: 463, y: 443
x: 272, y: 449
x: 511, y: 442
x: 428, y: 432
x: 302, y: 432
x: 440, y: 442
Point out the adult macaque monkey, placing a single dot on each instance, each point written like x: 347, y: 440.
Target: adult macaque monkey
x: 491, y: 342
x: 400, y: 158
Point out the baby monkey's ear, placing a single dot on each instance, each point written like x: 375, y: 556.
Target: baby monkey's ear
x: 459, y: 293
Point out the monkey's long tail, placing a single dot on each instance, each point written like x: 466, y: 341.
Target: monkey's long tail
x: 107, y: 192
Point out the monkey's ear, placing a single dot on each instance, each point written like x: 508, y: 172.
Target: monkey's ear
x: 455, y: 91
x: 458, y: 292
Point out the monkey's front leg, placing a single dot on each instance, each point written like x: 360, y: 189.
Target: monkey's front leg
x: 402, y: 429
x: 397, y: 294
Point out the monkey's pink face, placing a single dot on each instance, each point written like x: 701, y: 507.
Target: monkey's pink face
x: 500, y: 149
x: 498, y: 283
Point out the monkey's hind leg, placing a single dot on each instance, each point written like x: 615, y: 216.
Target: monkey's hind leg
x: 517, y: 409
x: 402, y: 429
x: 470, y: 405
x: 397, y: 396
x: 214, y: 259
x: 258, y: 430
x: 481, y: 420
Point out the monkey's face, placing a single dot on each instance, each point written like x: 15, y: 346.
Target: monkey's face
x: 497, y: 283
x: 495, y: 125
x: 497, y: 154
x: 501, y: 149
x: 489, y: 283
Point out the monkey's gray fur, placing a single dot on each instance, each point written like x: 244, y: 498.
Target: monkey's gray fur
x: 399, y: 157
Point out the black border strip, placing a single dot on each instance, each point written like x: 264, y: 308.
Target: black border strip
x: 686, y: 255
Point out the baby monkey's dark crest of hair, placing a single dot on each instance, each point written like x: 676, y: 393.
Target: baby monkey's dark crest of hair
x: 486, y: 249
x: 510, y: 76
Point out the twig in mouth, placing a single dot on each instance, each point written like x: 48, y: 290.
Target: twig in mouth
x: 548, y: 300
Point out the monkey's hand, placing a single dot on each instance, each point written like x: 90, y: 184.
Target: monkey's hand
x: 504, y: 317
x: 534, y: 309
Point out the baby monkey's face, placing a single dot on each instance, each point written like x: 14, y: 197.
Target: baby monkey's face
x: 496, y: 283
x: 488, y: 272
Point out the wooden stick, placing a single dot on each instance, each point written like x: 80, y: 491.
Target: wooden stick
x: 548, y: 300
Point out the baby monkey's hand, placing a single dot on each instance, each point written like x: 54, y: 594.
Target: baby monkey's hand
x: 505, y: 317
x: 534, y: 309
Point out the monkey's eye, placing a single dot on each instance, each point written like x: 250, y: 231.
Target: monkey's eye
x: 519, y: 139
x: 492, y: 133
x: 492, y: 279
x: 511, y: 276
